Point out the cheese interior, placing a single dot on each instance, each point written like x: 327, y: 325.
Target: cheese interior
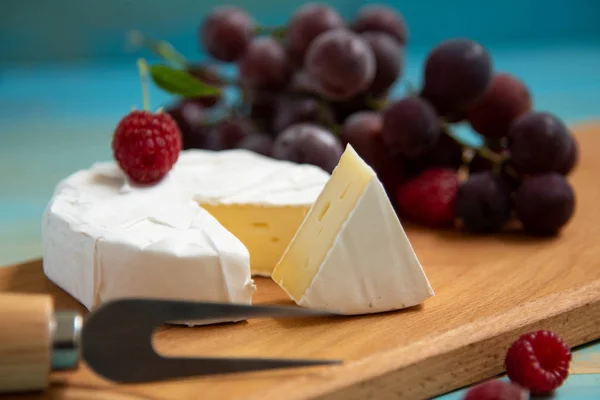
x: 307, y: 251
x: 266, y: 231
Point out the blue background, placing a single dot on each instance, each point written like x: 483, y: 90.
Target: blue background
x: 67, y: 76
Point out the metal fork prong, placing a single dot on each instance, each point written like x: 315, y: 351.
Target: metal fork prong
x: 171, y: 368
x: 117, y: 339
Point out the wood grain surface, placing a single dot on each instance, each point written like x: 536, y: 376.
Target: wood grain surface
x: 25, y: 341
x: 489, y: 290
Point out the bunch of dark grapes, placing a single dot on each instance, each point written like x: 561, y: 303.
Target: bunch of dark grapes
x: 319, y: 83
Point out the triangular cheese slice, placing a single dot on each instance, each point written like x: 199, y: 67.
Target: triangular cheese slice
x: 351, y: 254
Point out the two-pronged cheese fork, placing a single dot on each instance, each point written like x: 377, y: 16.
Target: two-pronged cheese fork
x: 115, y: 340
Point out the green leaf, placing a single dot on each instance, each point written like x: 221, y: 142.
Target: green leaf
x: 180, y: 82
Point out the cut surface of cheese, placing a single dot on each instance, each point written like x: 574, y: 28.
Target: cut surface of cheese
x: 265, y: 231
x: 260, y: 200
x: 351, y: 254
x: 104, y: 238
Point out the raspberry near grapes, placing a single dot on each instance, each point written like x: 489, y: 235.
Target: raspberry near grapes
x: 483, y: 202
x: 342, y: 64
x: 146, y: 145
x: 308, y: 22
x: 429, y: 197
x: 226, y: 32
x: 506, y: 99
x: 389, y: 58
x: 470, y: 67
x: 410, y: 126
x: 264, y: 65
x: 538, y: 143
x: 308, y: 144
x: 378, y: 18
x: 545, y: 203
x: 497, y: 390
x: 538, y: 361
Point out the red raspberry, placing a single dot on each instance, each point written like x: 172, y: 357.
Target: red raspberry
x: 538, y: 361
x: 146, y: 145
x: 429, y: 197
x: 497, y: 390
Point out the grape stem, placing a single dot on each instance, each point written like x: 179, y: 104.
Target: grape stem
x: 375, y: 104
x: 277, y: 32
x: 143, y: 70
x: 484, y: 152
x: 161, y: 48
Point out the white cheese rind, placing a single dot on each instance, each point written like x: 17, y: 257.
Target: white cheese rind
x: 371, y: 266
x: 243, y: 177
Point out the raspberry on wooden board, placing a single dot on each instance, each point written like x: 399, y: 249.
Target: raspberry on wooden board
x: 538, y: 361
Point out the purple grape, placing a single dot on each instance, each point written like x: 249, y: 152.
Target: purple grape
x: 457, y: 73
x: 505, y: 99
x: 388, y: 61
x: 259, y: 143
x: 445, y: 153
x: 228, y: 134
x: 262, y: 103
x: 378, y: 18
x: 362, y: 131
x: 303, y: 82
x: 391, y: 172
x: 538, y: 143
x: 571, y: 158
x: 342, y: 64
x: 308, y: 22
x: 264, y: 65
x: 208, y: 75
x: 344, y: 109
x: 483, y: 202
x: 545, y: 203
x: 190, y: 118
x: 308, y: 144
x: 410, y: 126
x: 294, y: 109
x: 226, y: 32
x: 263, y: 109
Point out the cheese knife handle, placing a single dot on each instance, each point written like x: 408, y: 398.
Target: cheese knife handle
x: 34, y: 340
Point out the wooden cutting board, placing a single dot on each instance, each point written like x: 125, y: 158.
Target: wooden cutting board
x: 489, y: 290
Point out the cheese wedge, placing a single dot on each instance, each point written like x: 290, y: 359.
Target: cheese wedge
x: 351, y: 254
